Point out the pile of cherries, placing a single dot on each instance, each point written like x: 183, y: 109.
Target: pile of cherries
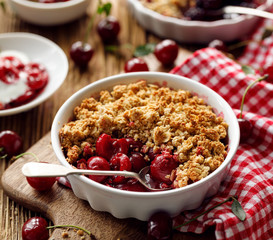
x: 108, y: 29
x: 165, y: 51
x: 206, y: 10
x: 37, y: 78
x: 127, y: 154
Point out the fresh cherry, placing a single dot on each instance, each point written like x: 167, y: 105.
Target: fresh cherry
x: 108, y: 29
x: 162, y: 166
x: 134, y: 146
x: 41, y: 183
x: 81, y: 53
x: 160, y: 226
x: 245, y: 129
x: 219, y: 45
x: 10, y: 142
x: 166, y: 52
x: 98, y: 163
x: 268, y: 69
x: 35, y: 228
x: 136, y: 65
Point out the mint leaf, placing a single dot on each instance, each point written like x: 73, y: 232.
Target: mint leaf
x: 143, y: 50
x: 248, y: 70
x: 237, y: 209
x: 104, y: 8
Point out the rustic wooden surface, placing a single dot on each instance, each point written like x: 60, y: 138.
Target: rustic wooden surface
x: 36, y: 123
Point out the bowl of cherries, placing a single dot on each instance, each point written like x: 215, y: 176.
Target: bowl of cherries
x: 199, y: 21
x: 49, y: 12
x: 130, y: 121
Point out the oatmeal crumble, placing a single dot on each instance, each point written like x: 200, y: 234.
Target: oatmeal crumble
x: 161, y: 118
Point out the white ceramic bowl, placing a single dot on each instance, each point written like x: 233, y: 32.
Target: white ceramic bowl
x: 140, y: 205
x: 41, y: 50
x: 197, y: 32
x: 49, y: 14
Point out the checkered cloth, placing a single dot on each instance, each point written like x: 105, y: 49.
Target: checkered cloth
x: 251, y: 173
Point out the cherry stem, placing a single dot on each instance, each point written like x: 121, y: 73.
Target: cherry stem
x: 248, y: 87
x: 71, y: 226
x: 217, y: 205
x: 89, y: 27
x: 26, y: 153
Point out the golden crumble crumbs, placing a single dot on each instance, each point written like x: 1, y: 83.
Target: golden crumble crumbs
x: 159, y: 117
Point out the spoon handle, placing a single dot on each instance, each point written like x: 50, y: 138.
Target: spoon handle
x: 36, y: 169
x: 248, y: 11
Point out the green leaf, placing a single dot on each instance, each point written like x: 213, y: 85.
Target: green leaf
x: 104, y: 8
x: 248, y: 70
x: 237, y: 209
x: 143, y: 50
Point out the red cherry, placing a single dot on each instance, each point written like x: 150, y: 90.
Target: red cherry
x: 108, y: 29
x: 138, y: 161
x: 136, y: 65
x: 162, y: 166
x: 160, y: 226
x: 41, y: 183
x: 133, y: 144
x: 35, y: 228
x: 219, y: 45
x: 120, y: 162
x: 37, y: 75
x: 9, y: 74
x: 104, y: 146
x: 11, y: 143
x: 166, y: 52
x: 82, y: 164
x: 98, y: 163
x: 269, y: 71
x: 120, y: 146
x: 81, y: 53
x: 245, y: 129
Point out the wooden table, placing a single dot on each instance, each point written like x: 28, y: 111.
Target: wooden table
x: 36, y: 123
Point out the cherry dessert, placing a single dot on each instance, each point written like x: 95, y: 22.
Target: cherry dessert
x: 20, y: 82
x: 127, y: 154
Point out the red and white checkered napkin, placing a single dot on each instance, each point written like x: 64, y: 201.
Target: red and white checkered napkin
x: 251, y: 173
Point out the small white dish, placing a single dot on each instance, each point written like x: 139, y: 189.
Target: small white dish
x: 49, y: 14
x: 41, y: 50
x: 141, y: 205
x: 197, y: 32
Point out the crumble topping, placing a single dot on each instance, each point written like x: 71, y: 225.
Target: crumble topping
x: 159, y: 117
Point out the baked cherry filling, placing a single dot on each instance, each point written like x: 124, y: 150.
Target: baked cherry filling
x: 126, y: 154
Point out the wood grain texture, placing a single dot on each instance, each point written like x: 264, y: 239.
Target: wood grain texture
x: 35, y: 124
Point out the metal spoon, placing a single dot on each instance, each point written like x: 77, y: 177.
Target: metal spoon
x: 247, y: 11
x: 36, y: 169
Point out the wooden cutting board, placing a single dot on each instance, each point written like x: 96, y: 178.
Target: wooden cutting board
x: 62, y: 207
